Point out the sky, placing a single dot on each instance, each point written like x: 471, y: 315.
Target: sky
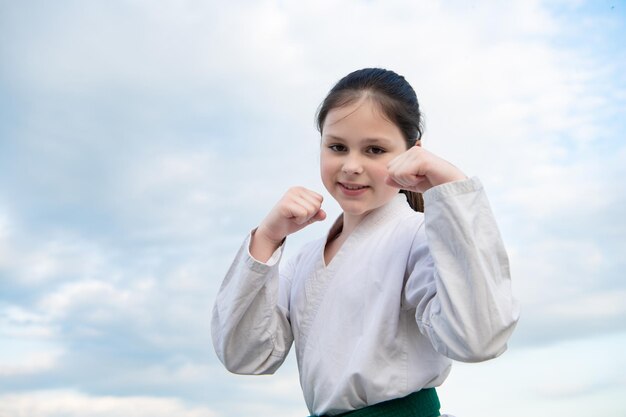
x: 141, y: 140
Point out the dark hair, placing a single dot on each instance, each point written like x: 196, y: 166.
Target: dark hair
x: 396, y: 99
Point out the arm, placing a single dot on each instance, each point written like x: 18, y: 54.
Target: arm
x: 460, y: 282
x: 250, y: 325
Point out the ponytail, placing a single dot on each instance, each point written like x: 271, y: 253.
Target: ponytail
x: 416, y: 200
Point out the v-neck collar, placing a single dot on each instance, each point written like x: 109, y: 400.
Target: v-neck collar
x: 395, y: 206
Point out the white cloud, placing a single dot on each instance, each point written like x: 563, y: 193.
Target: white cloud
x: 155, y: 134
x: 21, y: 323
x: 27, y: 357
x: 550, y: 189
x: 573, y: 378
x: 96, y: 297
x: 59, y: 258
x: 605, y: 305
x: 65, y: 403
x: 5, y: 231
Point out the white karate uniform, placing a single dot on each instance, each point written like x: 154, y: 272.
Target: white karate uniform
x: 405, y: 293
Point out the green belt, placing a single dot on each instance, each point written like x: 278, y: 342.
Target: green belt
x: 423, y: 403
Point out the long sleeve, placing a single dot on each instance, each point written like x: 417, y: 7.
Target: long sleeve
x: 250, y: 325
x: 459, y: 279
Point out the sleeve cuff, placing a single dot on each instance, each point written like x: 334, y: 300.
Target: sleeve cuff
x: 257, y: 265
x: 453, y: 188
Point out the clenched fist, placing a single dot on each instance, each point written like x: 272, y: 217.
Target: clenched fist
x: 298, y: 208
x: 419, y: 170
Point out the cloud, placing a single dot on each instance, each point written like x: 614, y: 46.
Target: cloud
x: 24, y: 357
x: 565, y: 378
x: 19, y: 322
x: 5, y: 232
x: 70, y: 403
x: 145, y: 139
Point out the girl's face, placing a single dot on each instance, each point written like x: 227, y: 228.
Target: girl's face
x: 357, y: 144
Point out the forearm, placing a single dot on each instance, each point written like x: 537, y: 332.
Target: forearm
x: 250, y: 330
x: 474, y: 312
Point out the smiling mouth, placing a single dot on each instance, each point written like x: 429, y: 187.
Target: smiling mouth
x: 353, y: 187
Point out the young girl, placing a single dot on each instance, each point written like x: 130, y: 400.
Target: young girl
x: 379, y: 306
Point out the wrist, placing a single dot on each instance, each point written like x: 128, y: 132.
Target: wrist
x: 261, y: 233
x: 453, y: 175
x: 261, y: 246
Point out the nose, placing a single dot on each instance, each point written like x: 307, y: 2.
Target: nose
x: 352, y: 164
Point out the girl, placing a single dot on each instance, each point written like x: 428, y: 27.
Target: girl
x: 379, y: 306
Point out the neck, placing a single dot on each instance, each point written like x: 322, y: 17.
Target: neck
x: 343, y: 226
x: 350, y: 222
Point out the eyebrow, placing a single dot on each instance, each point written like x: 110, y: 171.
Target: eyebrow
x: 382, y: 141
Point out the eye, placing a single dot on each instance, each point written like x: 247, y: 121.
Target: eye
x: 337, y: 148
x: 375, y: 150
